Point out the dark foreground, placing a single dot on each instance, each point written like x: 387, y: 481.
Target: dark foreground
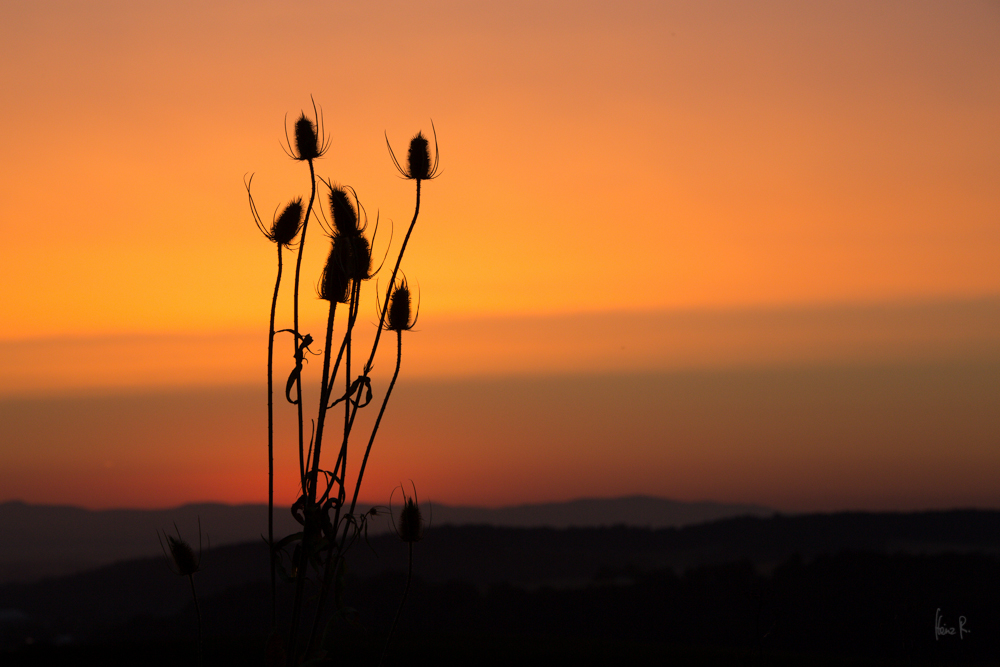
x: 854, y: 589
x: 445, y: 649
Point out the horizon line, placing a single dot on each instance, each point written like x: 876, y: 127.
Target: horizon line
x: 638, y: 496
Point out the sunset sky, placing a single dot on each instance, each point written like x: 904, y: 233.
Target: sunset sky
x: 745, y: 252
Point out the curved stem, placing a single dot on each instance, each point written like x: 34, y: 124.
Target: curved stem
x: 295, y: 315
x: 197, y: 610
x: 326, y: 384
x: 332, y: 561
x: 409, y: 577
x: 336, y: 364
x: 351, y: 407
x: 331, y: 569
x: 342, y: 455
x: 341, y: 463
x: 392, y: 281
x: 378, y: 420
x: 270, y: 449
x: 381, y: 322
x: 300, y: 578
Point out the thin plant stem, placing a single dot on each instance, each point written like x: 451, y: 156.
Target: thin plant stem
x: 197, y: 610
x: 378, y: 420
x: 349, y: 421
x: 295, y: 314
x: 340, y: 469
x: 270, y: 450
x: 347, y: 388
x: 330, y: 568
x: 332, y: 562
x: 326, y: 385
x: 355, y: 303
x: 340, y: 357
x: 392, y: 281
x: 300, y: 577
x: 326, y: 388
x: 342, y: 458
x: 409, y: 577
x: 357, y: 488
x: 381, y: 322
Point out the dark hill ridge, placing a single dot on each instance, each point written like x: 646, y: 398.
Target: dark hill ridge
x: 529, y: 558
x: 635, y: 511
x: 48, y: 540
x: 542, y: 556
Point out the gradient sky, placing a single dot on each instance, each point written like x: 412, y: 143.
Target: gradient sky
x: 702, y: 199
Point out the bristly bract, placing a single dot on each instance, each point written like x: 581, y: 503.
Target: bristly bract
x: 400, y: 306
x: 418, y: 164
x: 311, y: 141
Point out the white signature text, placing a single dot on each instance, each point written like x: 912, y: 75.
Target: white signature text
x: 940, y: 628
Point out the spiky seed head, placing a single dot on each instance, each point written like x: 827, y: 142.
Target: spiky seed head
x: 334, y: 283
x: 286, y: 227
x: 306, y: 139
x: 345, y: 216
x: 181, y: 553
x: 419, y: 165
x: 358, y: 260
x: 419, y: 160
x: 411, y: 522
x: 399, y: 309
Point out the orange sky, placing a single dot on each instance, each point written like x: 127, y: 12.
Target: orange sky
x: 659, y: 161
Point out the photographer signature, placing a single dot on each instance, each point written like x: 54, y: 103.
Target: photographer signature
x: 941, y: 629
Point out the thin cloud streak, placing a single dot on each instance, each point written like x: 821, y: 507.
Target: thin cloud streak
x: 615, y: 342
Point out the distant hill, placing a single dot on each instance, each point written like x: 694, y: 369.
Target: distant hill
x: 634, y: 511
x: 853, y: 583
x: 37, y: 541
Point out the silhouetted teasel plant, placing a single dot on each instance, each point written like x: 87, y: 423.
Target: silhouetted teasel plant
x: 410, y: 529
x: 282, y: 233
x: 329, y: 525
x: 183, y: 562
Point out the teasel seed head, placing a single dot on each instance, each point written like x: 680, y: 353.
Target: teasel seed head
x: 419, y: 166
x: 411, y: 522
x: 182, y: 556
x: 310, y: 141
x: 286, y: 227
x: 400, y: 306
x: 335, y: 282
x: 306, y: 141
x: 357, y: 257
x: 419, y: 159
x: 343, y: 211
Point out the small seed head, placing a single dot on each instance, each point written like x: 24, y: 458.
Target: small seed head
x: 358, y: 257
x: 334, y: 283
x: 411, y: 522
x: 306, y: 139
x: 419, y: 161
x: 419, y: 165
x: 286, y: 227
x: 399, y: 309
x: 181, y: 553
x: 345, y: 216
